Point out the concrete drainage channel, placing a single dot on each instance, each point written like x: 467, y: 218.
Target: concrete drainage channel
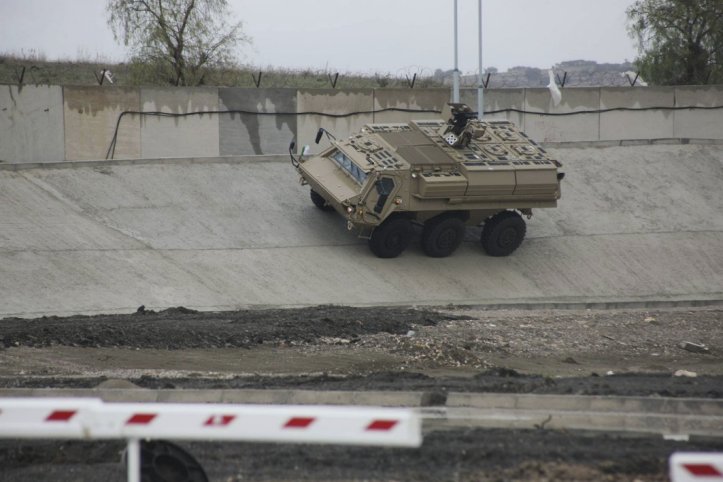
x: 630, y: 247
x: 616, y: 235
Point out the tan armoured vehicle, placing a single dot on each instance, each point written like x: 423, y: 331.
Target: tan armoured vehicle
x: 442, y: 175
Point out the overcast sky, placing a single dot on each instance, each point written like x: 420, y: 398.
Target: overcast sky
x: 355, y: 35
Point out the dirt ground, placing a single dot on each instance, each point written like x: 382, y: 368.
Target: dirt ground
x: 455, y: 455
x: 344, y: 341
x: 615, y: 352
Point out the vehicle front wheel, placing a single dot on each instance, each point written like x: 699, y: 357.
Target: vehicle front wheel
x: 442, y: 236
x: 503, y: 233
x: 391, y: 237
x: 320, y: 202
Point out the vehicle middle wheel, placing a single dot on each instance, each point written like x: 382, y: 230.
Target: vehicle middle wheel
x: 320, y: 202
x: 391, y: 237
x: 442, y: 236
x: 503, y: 233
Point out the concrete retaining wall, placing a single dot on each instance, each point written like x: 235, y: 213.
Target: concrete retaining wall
x: 335, y: 102
x: 428, y: 99
x: 91, y: 115
x: 51, y: 123
x: 498, y: 100
x: 572, y: 128
x: 707, y: 124
x: 244, y: 134
x: 646, y: 124
x: 191, y: 136
x: 31, y: 123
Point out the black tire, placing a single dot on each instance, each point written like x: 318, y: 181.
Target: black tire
x: 391, y: 237
x: 442, y: 236
x: 320, y: 202
x: 503, y: 233
x: 161, y: 460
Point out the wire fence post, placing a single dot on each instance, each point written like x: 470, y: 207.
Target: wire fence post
x: 257, y: 81
x: 333, y: 80
x: 20, y: 76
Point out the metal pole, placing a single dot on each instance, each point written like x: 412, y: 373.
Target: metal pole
x: 134, y: 460
x: 480, y: 83
x: 455, y: 87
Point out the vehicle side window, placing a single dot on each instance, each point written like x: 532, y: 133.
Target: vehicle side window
x: 384, y: 186
x: 349, y: 166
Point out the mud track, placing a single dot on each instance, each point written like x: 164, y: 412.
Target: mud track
x: 178, y: 328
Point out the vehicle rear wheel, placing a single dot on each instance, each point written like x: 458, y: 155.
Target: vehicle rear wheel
x: 391, y: 237
x: 320, y: 202
x: 442, y: 236
x: 503, y: 233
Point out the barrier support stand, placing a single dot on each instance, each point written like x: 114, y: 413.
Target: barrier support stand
x: 134, y: 460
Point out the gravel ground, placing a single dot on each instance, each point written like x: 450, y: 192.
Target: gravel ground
x: 455, y: 455
x: 359, y: 341
x: 601, y: 352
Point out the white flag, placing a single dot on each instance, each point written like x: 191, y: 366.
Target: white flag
x: 554, y: 89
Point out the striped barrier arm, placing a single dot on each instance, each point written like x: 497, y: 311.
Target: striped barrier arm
x: 696, y: 467
x: 92, y: 419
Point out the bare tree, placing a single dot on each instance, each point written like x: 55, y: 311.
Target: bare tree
x: 183, y: 38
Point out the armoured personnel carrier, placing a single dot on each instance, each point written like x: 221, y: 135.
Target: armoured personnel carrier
x: 442, y: 175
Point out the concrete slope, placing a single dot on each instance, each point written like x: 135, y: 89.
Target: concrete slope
x: 635, y: 224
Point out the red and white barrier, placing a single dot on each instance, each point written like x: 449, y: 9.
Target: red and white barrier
x: 696, y: 467
x: 93, y: 419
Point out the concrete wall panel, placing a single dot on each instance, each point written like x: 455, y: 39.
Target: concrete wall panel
x: 332, y: 101
x: 699, y: 124
x: 581, y: 127
x: 33, y: 129
x: 91, y: 115
x: 428, y: 99
x: 243, y: 134
x: 497, y: 100
x: 621, y: 125
x: 31, y: 123
x: 191, y: 136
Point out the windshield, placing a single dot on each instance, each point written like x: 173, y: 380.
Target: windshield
x: 349, y: 166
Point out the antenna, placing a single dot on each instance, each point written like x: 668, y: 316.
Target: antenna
x: 455, y: 85
x: 480, y: 82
